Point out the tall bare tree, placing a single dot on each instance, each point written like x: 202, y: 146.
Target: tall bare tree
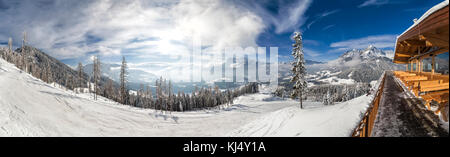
x: 80, y: 75
x: 97, y: 76
x: 24, y: 64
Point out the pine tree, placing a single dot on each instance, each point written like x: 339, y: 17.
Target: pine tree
x: 326, y: 98
x: 298, y: 69
x: 123, y: 80
x: 330, y: 98
x: 345, y: 93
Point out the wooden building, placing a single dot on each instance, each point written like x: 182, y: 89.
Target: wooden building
x: 426, y: 38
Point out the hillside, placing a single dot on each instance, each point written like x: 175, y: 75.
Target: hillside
x: 60, y: 72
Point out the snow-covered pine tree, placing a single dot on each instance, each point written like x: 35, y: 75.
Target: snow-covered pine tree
x: 330, y: 97
x: 298, y: 68
x: 327, y: 98
x: 345, y: 93
x: 123, y: 80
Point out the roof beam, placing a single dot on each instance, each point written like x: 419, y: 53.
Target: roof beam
x: 402, y: 55
x: 416, y: 42
x: 434, y: 40
x: 429, y: 54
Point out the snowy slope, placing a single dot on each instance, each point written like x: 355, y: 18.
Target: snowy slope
x: 30, y: 107
x: 314, y: 120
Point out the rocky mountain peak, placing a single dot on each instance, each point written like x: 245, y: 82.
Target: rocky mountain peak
x: 371, y: 52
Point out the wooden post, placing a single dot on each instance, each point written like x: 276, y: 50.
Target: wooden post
x: 433, y: 62
x: 419, y: 64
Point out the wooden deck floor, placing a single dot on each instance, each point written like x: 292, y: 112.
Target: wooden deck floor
x: 401, y: 115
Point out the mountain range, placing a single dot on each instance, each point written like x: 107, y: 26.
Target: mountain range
x: 356, y: 65
x: 135, y: 76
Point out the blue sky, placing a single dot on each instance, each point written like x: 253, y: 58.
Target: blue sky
x: 153, y: 34
x: 330, y: 24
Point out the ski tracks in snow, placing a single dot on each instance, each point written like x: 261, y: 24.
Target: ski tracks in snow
x: 267, y: 125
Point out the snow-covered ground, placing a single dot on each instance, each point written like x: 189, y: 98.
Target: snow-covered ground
x: 314, y: 120
x: 30, y: 107
x: 327, y: 77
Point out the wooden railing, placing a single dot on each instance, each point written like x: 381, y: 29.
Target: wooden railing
x: 364, y: 128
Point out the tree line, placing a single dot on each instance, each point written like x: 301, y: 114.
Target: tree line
x: 165, y: 99
x: 329, y: 94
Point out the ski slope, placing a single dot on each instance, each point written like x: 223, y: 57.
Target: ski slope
x: 30, y: 107
x: 315, y: 120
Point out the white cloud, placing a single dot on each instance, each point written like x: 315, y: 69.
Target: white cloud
x: 106, y: 51
x: 295, y: 16
x: 328, y: 27
x: 320, y: 16
x: 153, y: 33
x: 311, y: 42
x: 62, y: 27
x: 373, y: 3
x: 311, y: 53
x: 379, y: 41
x: 290, y: 16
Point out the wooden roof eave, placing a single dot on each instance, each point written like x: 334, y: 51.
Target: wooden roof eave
x: 430, y: 32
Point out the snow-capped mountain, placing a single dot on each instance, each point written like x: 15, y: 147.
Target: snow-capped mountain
x: 361, y: 65
x: 370, y: 52
x: 356, y: 65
